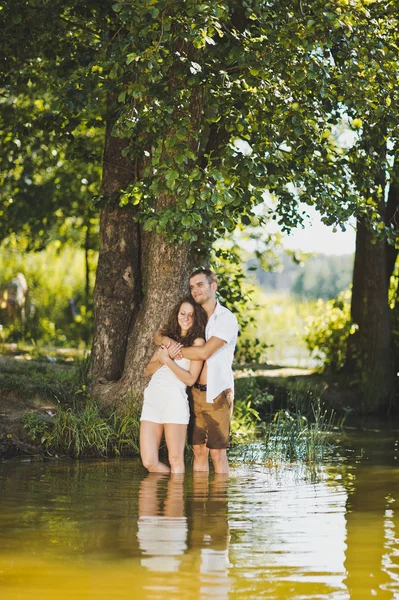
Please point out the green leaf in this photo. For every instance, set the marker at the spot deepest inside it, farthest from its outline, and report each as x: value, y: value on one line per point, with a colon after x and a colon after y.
x: 171, y: 175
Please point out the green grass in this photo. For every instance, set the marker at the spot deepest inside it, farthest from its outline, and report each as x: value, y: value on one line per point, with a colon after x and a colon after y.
x: 79, y: 427
x: 91, y: 432
x: 53, y: 275
x: 291, y: 438
x: 28, y: 380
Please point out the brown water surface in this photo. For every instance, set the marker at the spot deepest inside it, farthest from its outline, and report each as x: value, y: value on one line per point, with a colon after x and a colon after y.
x: 106, y: 530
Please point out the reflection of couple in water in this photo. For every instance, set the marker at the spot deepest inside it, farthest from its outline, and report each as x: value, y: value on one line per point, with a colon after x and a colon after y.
x: 196, y: 349
x: 183, y: 529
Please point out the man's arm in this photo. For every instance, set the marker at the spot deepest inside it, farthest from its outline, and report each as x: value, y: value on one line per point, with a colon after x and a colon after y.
x: 203, y: 352
x: 187, y: 377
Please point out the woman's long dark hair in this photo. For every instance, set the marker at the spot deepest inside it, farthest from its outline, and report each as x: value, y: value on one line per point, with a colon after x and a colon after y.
x: 172, y: 328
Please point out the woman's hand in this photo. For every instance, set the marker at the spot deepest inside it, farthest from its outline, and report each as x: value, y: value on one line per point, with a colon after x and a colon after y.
x: 163, y: 355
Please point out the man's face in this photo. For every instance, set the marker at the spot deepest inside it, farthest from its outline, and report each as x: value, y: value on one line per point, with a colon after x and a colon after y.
x: 201, y: 290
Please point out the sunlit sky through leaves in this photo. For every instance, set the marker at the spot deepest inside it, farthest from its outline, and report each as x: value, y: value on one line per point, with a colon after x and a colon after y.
x: 314, y: 236
x: 317, y: 237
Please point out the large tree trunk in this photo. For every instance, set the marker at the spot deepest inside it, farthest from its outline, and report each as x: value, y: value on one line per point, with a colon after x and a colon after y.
x: 140, y: 277
x: 165, y: 269
x: 370, y: 356
x: 392, y: 220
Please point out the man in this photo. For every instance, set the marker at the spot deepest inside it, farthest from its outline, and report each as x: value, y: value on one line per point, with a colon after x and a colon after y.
x: 213, y: 394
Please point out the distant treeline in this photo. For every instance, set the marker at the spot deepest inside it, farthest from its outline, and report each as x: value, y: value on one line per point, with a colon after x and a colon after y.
x: 320, y: 276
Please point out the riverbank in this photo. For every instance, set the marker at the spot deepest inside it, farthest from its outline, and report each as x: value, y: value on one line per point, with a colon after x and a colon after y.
x: 36, y: 385
x: 33, y: 381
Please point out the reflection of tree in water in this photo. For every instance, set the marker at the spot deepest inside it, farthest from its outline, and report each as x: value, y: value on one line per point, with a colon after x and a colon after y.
x: 69, y: 508
x: 372, y: 553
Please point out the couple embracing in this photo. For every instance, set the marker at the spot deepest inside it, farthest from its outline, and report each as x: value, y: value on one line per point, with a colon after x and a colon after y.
x: 196, y: 350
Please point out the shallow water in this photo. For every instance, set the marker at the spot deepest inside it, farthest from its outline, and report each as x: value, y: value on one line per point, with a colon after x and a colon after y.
x: 105, y: 529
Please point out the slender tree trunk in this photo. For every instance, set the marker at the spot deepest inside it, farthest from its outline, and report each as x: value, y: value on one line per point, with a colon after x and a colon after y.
x: 117, y: 291
x: 369, y: 349
x: 87, y: 266
x: 392, y: 219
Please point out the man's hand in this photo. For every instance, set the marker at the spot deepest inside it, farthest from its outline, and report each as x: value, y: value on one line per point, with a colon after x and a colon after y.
x: 174, y: 350
x: 173, y: 347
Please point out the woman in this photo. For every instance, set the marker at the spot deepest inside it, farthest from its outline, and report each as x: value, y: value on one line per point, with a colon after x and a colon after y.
x: 165, y: 407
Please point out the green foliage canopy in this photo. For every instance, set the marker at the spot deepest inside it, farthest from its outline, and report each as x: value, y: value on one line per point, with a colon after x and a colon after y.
x: 215, y: 102
x: 49, y: 158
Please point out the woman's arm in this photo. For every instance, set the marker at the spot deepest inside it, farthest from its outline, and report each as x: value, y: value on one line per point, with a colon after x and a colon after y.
x: 187, y: 377
x: 154, y: 364
x: 160, y: 340
x: 164, y: 340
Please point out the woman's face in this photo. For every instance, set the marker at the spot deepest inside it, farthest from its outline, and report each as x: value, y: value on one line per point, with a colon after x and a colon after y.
x: 185, y: 317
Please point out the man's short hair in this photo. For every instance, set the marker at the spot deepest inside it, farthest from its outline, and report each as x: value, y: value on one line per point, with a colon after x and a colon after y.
x: 210, y: 275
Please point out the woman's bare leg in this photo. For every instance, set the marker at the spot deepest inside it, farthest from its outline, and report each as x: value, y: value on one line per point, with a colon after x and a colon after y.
x: 150, y: 439
x: 175, y: 437
x: 149, y: 502
x: 174, y: 502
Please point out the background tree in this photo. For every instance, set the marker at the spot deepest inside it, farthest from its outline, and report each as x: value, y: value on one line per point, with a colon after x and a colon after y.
x: 367, y: 68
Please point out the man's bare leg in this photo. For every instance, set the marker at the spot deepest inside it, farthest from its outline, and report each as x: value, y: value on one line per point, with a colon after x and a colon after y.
x: 219, y: 459
x: 201, y: 458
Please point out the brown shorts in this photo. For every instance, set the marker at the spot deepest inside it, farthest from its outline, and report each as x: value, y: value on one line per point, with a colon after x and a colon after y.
x: 210, y: 423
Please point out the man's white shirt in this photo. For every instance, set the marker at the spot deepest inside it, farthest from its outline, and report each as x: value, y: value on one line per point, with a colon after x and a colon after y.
x: 223, y: 325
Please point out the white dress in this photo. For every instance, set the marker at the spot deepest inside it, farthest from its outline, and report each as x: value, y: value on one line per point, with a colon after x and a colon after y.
x: 165, y: 397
